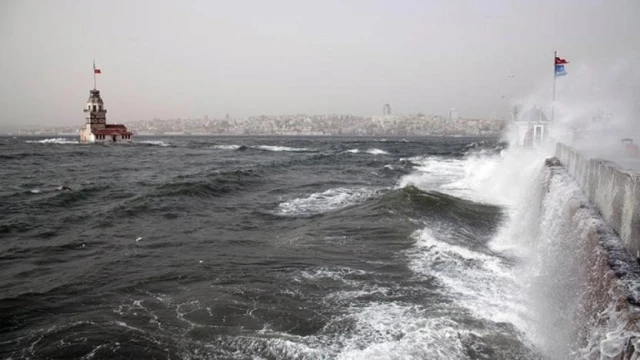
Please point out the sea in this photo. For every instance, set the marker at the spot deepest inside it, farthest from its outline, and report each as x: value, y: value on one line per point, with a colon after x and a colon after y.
x: 264, y: 248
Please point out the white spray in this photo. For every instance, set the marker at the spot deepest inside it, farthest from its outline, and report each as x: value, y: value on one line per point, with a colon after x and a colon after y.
x: 542, y: 233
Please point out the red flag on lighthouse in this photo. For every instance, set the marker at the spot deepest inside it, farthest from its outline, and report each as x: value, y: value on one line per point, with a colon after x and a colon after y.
x: 96, y: 71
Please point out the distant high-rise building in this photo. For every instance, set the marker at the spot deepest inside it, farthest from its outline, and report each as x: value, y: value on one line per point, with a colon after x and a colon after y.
x: 453, y: 114
x: 226, y: 117
x: 386, y: 109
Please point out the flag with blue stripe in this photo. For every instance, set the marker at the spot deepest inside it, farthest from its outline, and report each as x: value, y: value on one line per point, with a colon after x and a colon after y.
x: 560, y: 70
x: 559, y: 63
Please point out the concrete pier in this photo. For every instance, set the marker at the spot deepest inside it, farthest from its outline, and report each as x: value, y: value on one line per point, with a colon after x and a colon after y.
x: 613, y: 188
x: 588, y: 230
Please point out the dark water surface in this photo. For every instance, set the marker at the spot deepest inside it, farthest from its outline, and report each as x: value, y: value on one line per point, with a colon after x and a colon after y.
x: 241, y: 248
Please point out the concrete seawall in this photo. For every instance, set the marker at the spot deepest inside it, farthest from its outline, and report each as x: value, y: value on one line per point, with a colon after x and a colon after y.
x: 613, y: 190
x: 598, y: 294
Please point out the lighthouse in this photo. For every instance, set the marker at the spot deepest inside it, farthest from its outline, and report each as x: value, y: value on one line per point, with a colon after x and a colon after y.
x: 96, y: 129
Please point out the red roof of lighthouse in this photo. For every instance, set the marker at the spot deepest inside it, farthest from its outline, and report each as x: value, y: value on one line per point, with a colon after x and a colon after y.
x: 112, y: 129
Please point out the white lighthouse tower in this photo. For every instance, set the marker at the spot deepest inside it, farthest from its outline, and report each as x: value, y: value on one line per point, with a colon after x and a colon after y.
x: 96, y: 128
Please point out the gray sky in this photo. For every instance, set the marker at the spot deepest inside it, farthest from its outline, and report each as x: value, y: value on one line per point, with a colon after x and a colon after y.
x: 203, y: 57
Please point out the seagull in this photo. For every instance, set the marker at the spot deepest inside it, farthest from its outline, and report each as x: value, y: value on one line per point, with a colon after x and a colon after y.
x: 138, y: 239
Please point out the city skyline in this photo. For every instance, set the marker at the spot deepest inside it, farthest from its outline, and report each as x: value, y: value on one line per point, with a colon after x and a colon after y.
x: 251, y: 58
x: 306, y: 125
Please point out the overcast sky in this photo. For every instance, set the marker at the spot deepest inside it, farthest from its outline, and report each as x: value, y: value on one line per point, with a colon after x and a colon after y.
x: 193, y: 58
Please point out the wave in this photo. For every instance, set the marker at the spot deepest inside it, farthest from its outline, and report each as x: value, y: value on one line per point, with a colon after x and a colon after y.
x: 387, y: 328
x: 375, y: 151
x: 153, y: 143
x: 226, y: 147
x: 400, y: 168
x: 476, y: 282
x: 282, y: 148
x: 70, y: 337
x: 329, y: 200
x: 195, y: 188
x: 61, y: 141
x: 390, y: 327
x: 480, y: 148
x: 372, y: 151
x: 221, y: 184
x: 16, y: 226
x: 396, y: 330
x: 437, y: 206
x: 472, y: 177
x: 64, y: 198
x: 22, y: 155
x: 344, y: 275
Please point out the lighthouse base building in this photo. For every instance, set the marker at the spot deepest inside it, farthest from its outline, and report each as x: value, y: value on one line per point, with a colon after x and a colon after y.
x: 96, y: 129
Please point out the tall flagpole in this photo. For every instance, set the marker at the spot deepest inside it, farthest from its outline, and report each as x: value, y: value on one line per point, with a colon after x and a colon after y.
x: 94, y: 75
x: 553, y: 97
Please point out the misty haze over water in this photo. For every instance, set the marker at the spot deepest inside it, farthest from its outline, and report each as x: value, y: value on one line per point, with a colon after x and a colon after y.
x: 188, y: 60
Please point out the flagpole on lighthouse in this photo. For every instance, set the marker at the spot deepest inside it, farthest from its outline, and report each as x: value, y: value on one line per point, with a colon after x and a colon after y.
x: 553, y: 97
x: 94, y: 74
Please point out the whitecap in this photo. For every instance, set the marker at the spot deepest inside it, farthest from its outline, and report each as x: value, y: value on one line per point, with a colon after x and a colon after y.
x: 334, y: 273
x: 380, y: 331
x: 375, y: 151
x: 479, y: 282
x: 226, y: 147
x: 329, y: 200
x: 281, y: 148
x: 62, y: 141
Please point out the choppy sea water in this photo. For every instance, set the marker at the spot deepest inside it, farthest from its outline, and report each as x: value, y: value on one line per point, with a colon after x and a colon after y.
x: 255, y: 248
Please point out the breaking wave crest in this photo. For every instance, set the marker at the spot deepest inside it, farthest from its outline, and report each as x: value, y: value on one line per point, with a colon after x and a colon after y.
x: 375, y: 151
x: 282, y: 148
x: 61, y: 141
x: 329, y: 200
x: 482, y: 282
x: 226, y: 147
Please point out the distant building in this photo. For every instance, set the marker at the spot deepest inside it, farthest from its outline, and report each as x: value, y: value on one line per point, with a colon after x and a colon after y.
x: 531, y: 126
x: 386, y: 109
x: 96, y: 129
x: 453, y: 115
